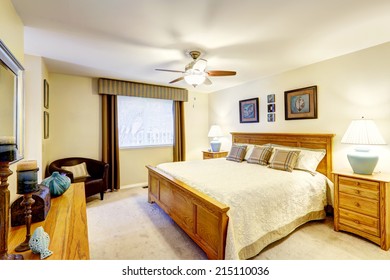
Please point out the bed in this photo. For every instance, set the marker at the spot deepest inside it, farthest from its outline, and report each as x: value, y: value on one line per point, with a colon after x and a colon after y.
x: 204, y: 214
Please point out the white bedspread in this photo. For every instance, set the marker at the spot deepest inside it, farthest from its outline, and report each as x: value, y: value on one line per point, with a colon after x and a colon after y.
x: 265, y: 204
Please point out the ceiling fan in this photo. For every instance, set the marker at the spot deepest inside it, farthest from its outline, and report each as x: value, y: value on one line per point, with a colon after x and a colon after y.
x: 195, y: 72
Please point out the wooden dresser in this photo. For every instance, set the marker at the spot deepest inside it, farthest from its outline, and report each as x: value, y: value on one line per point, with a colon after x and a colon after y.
x: 362, y: 206
x: 66, y: 225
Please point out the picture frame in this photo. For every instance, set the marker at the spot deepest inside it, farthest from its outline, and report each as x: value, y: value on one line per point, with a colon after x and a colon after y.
x: 271, y: 117
x: 301, y: 103
x: 271, y: 98
x: 249, y: 110
x: 271, y: 108
x: 45, y: 94
x: 45, y: 125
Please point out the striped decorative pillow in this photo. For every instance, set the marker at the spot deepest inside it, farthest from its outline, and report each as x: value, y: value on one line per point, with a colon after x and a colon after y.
x: 237, y: 153
x: 284, y: 160
x: 78, y: 171
x: 260, y: 155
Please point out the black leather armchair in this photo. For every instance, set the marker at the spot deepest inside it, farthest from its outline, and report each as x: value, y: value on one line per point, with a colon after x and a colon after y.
x: 96, y: 183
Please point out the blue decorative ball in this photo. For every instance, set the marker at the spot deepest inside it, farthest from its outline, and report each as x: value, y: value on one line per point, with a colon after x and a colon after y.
x: 57, y: 183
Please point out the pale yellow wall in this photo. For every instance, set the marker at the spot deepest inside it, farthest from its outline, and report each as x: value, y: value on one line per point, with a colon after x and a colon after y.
x: 74, y: 118
x: 11, y: 29
x: 196, y: 125
x: 133, y: 162
x: 349, y: 87
x: 33, y: 110
x: 11, y: 33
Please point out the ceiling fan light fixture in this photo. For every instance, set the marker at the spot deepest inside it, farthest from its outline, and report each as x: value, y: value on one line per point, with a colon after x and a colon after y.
x: 194, y: 77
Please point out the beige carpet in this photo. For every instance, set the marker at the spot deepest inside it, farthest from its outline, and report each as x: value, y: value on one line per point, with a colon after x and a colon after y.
x: 124, y: 226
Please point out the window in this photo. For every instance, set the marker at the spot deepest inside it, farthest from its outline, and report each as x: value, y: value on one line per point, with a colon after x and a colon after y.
x: 144, y: 122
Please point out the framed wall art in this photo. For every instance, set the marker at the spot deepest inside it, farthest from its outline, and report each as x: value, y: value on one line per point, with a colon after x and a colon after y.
x: 271, y: 98
x: 271, y: 117
x: 249, y: 110
x: 45, y: 125
x: 271, y: 108
x: 301, y: 103
x: 45, y: 94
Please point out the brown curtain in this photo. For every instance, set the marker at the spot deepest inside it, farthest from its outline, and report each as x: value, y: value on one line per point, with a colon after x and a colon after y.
x: 179, y: 141
x: 110, y: 140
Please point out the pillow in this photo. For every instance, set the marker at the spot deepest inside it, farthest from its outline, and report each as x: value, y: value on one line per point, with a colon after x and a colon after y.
x: 284, y: 159
x: 249, y: 150
x: 78, y: 171
x: 308, y: 159
x: 237, y: 153
x: 260, y: 155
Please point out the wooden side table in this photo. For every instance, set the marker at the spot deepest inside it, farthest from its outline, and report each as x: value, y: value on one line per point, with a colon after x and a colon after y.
x: 208, y: 155
x: 362, y: 205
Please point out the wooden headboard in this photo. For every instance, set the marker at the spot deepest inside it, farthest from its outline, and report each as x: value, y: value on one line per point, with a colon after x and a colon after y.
x: 304, y: 140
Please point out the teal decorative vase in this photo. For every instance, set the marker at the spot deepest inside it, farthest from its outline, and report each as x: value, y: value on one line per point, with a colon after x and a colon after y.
x: 39, y: 243
x: 57, y: 183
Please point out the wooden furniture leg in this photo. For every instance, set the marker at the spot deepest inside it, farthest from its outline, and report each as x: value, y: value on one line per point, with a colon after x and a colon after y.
x: 5, y: 172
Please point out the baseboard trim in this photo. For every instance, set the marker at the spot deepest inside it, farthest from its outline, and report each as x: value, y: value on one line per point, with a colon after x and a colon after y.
x: 143, y: 184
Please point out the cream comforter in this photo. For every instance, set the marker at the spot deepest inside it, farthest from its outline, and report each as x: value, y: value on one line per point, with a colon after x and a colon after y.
x: 265, y: 204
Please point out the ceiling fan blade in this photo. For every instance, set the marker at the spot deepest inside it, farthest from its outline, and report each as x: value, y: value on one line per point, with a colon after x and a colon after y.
x: 207, y: 82
x: 221, y: 73
x: 176, y: 80
x: 167, y: 70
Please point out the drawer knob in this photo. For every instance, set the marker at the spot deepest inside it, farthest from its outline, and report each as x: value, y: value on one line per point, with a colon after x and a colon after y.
x: 357, y: 184
x: 357, y: 191
x: 357, y: 204
x: 357, y: 222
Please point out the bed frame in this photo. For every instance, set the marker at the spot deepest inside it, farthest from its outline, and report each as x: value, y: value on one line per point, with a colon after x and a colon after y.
x: 203, y: 218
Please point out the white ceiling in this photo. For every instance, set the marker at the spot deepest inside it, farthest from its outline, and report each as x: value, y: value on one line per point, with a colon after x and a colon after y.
x: 128, y: 39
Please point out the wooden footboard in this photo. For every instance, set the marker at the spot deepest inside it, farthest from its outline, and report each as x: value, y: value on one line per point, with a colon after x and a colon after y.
x: 203, y: 218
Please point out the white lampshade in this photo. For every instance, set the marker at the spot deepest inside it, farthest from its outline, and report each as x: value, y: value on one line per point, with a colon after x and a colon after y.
x: 363, y: 132
x: 215, y: 132
x: 194, y: 77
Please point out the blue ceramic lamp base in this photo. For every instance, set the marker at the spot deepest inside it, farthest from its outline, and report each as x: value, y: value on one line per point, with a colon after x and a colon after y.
x: 215, y: 146
x: 362, y: 161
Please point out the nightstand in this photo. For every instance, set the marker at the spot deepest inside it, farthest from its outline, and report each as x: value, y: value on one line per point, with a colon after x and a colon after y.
x: 362, y: 205
x: 208, y: 155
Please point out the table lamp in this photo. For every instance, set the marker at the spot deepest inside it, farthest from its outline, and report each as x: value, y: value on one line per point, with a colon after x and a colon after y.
x: 215, y: 132
x: 363, y: 132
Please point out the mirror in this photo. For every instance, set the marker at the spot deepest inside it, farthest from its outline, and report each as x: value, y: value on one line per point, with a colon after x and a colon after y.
x: 11, y: 106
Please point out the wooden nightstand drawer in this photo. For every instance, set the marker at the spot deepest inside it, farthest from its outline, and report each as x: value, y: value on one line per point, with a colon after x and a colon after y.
x: 361, y: 205
x: 361, y: 192
x: 360, y: 222
x: 362, y: 188
x: 208, y: 155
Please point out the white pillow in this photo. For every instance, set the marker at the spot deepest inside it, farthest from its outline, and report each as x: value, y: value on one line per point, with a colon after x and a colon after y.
x: 308, y: 159
x: 78, y: 171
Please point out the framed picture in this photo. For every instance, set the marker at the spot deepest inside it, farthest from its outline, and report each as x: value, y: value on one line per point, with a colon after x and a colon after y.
x: 249, y: 110
x: 301, y: 103
x: 45, y: 125
x: 271, y: 108
x: 271, y: 98
x: 45, y: 94
x: 271, y: 117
